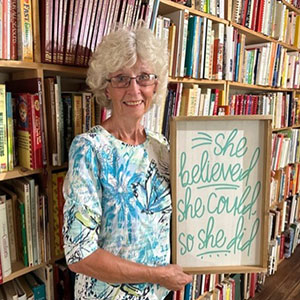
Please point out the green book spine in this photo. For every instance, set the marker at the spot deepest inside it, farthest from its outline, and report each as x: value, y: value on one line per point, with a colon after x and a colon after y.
x: 23, y: 233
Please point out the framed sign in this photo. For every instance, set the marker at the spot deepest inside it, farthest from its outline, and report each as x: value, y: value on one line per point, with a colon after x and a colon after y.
x: 220, y: 178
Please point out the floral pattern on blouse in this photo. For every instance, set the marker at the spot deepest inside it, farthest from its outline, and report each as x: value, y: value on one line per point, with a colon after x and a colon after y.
x: 117, y: 197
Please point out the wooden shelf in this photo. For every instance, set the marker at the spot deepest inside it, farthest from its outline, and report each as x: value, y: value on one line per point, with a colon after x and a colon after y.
x: 167, y: 6
x: 257, y: 87
x: 257, y: 37
x: 18, y: 270
x: 295, y: 126
x: 18, y: 172
x: 197, y: 81
x: 291, y: 7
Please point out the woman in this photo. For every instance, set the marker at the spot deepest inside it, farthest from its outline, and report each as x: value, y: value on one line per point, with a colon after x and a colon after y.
x: 118, y: 204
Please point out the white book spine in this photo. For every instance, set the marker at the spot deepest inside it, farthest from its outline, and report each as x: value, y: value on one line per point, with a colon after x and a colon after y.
x: 4, y: 243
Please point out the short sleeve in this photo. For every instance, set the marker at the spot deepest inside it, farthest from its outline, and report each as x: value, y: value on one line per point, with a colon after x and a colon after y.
x: 82, y: 193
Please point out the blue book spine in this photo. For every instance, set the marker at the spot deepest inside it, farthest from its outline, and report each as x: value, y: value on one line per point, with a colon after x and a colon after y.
x: 188, y: 291
x: 189, y: 56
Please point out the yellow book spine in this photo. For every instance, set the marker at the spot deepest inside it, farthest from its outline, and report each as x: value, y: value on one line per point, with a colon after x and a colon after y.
x: 57, y: 251
x: 3, y: 130
x: 26, y: 46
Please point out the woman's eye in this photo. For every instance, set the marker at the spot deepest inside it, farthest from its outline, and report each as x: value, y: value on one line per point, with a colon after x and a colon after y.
x: 144, y: 77
x: 122, y: 78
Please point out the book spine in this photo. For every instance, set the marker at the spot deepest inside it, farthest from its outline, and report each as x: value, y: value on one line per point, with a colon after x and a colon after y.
x: 13, y: 29
x: 21, y: 224
x: 3, y: 130
x: 23, y: 131
x: 4, y: 245
x: 25, y: 40
x: 10, y: 133
x: 11, y: 229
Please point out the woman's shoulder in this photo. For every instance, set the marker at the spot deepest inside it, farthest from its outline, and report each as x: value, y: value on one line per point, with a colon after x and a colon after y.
x: 95, y: 137
x: 158, y: 137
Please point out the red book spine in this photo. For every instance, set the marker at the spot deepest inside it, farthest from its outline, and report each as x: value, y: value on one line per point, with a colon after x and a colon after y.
x: 83, y: 31
x: 216, y: 104
x: 36, y: 131
x: 254, y: 14
x: 13, y: 31
x: 5, y: 25
x: 90, y: 33
x: 102, y: 22
x: 260, y: 15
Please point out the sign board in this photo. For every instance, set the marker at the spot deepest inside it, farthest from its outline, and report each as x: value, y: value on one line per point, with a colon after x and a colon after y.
x: 220, y: 178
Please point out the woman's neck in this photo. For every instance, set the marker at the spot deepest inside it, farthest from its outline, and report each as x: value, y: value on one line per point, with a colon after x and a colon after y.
x: 131, y: 133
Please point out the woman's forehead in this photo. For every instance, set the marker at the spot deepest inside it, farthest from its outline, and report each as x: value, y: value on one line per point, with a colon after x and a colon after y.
x: 139, y: 66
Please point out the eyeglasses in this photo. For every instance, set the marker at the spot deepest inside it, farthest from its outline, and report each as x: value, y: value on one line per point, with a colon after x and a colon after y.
x: 123, y: 81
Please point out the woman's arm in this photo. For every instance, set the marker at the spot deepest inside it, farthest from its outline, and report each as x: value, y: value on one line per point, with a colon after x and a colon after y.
x: 110, y: 268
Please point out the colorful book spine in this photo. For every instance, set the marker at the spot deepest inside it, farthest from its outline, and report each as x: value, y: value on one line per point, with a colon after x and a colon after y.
x: 3, y: 130
x: 10, y: 132
x: 25, y: 35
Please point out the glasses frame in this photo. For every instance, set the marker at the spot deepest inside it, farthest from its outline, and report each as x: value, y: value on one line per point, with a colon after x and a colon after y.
x: 152, y: 76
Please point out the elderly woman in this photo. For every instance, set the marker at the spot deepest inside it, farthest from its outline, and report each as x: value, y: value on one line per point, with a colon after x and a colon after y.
x: 118, y: 205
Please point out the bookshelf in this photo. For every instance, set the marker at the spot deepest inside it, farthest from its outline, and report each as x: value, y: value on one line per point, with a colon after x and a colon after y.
x: 74, y: 76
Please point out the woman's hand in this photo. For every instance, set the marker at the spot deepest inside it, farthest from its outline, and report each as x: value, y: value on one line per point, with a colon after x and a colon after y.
x: 172, y: 277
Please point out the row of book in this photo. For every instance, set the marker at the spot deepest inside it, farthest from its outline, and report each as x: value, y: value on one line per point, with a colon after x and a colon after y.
x: 283, y: 246
x: 16, y: 41
x: 24, y: 224
x: 213, y: 7
x: 202, y: 49
x: 48, y: 282
x: 68, y: 114
x: 21, y: 125
x: 221, y: 286
x: 285, y: 184
x: 283, y: 70
x: 71, y: 30
x: 285, y: 148
x: 282, y: 106
x: 26, y: 287
x: 270, y: 17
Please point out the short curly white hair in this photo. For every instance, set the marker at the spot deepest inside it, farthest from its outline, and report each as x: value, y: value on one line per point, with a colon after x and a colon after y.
x: 123, y: 48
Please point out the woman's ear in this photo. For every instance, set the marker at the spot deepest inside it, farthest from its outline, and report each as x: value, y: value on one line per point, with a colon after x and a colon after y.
x: 107, y: 94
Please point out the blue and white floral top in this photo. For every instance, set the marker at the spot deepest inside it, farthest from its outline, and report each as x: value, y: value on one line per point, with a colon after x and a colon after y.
x: 118, y: 199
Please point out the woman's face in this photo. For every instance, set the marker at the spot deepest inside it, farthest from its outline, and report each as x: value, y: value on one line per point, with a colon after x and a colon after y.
x: 132, y: 101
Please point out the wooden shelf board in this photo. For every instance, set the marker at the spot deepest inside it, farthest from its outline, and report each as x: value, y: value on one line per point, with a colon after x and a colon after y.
x: 66, y: 70
x: 18, y: 172
x: 18, y: 270
x: 257, y: 37
x: 196, y: 81
x: 167, y: 6
x: 13, y: 65
x: 291, y: 7
x: 257, y: 87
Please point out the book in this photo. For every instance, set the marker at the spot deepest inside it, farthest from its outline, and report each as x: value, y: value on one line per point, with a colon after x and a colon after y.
x: 21, y: 188
x: 37, y: 286
x: 4, y: 245
x: 25, y: 287
x: 3, y: 130
x: 45, y: 274
x: 33, y: 86
x: 11, y: 199
x: 19, y: 290
x: 25, y: 31
x: 10, y: 291
x: 28, y: 131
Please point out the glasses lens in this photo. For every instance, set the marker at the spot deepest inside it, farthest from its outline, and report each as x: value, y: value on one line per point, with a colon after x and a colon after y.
x: 146, y: 79
x: 120, y: 81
